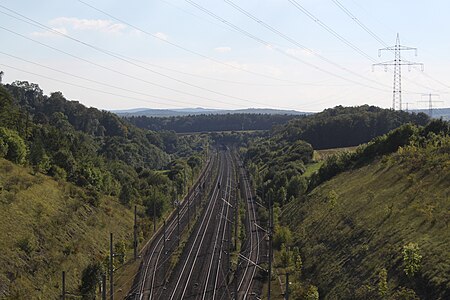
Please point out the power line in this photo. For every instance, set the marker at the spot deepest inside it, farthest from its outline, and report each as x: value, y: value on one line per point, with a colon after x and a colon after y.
x: 180, y: 47
x: 357, y: 21
x: 398, y: 62
x: 330, y: 30
x: 81, y: 86
x: 95, y: 81
x: 121, y: 57
x: 430, y: 102
x: 267, y: 44
x: 380, y: 40
x: 291, y: 40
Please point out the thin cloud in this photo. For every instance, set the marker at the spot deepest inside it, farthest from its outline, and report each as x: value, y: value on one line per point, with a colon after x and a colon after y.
x: 161, y: 35
x: 99, y: 25
x: 222, y: 49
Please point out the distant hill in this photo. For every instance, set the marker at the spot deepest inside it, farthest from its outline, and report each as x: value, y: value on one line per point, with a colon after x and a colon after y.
x: 202, y: 111
x: 443, y: 113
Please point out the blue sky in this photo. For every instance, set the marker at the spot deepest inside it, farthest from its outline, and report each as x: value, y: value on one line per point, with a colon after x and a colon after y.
x: 232, y: 70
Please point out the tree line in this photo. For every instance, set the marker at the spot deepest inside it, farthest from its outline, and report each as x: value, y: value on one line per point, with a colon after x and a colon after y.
x: 211, y: 122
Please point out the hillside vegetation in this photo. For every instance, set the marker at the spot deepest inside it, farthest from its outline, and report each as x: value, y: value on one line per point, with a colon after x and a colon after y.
x: 69, y: 175
x: 379, y: 229
x: 346, y: 126
x: 49, y: 226
x: 212, y: 122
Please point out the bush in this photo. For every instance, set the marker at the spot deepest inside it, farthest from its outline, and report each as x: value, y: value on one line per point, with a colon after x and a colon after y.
x: 283, y: 235
x: 16, y: 148
x: 411, y: 259
x: 89, y: 280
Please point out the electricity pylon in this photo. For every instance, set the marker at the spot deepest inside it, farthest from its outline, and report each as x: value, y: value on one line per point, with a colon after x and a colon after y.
x: 398, y: 62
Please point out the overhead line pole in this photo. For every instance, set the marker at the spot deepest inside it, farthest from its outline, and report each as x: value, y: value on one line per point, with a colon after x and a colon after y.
x: 397, y: 63
x: 111, y: 267
x: 135, y: 240
x: 430, y: 102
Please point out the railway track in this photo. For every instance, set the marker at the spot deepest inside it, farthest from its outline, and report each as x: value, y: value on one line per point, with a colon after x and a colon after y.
x: 251, y: 253
x: 204, y: 270
x: 157, y: 252
x: 196, y: 276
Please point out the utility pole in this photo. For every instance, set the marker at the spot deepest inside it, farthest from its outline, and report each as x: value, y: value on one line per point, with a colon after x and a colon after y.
x: 398, y: 62
x: 135, y: 241
x: 270, y: 245
x: 178, y: 222
x: 111, y: 267
x: 430, y: 102
x: 154, y: 215
x: 236, y: 217
x: 104, y: 287
x: 286, y: 293
x: 407, y: 103
x: 63, y: 291
x: 189, y: 211
x: 164, y: 246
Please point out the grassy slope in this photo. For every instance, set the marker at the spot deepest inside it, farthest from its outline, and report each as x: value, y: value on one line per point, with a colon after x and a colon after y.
x: 47, y: 227
x: 379, y: 208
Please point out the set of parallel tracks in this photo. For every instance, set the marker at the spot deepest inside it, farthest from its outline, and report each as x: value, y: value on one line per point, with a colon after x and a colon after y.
x: 253, y: 250
x: 199, y: 274
x: 203, y: 270
x: 156, y: 252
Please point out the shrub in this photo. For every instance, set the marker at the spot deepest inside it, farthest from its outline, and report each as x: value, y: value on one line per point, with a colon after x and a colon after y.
x: 411, y: 259
x: 382, y: 283
x: 16, y: 148
x: 89, y: 280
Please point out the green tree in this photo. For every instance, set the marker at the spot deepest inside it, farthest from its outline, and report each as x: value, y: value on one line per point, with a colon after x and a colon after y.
x: 296, y: 187
x: 119, y: 251
x: 382, y: 283
x: 38, y: 157
x: 411, y: 258
x: 128, y: 194
x: 89, y: 280
x: 16, y: 150
x: 312, y: 293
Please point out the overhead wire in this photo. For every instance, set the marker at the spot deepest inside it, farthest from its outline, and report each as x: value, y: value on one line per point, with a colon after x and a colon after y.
x: 267, y: 44
x: 96, y: 81
x: 126, y: 60
x: 310, y: 15
x: 295, y: 42
x: 185, y: 49
x: 302, y: 9
x: 381, y: 41
x: 78, y: 85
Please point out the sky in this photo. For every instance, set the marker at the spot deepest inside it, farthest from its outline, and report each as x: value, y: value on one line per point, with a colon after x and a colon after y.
x: 288, y: 54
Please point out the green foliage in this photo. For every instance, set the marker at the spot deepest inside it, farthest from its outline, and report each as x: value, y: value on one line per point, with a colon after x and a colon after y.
x: 212, y: 122
x: 382, y: 145
x: 411, y: 259
x: 405, y: 294
x: 16, y: 148
x: 282, y: 236
x: 3, y: 148
x: 347, y: 126
x: 396, y: 198
x: 312, y: 293
x: 382, y: 283
x: 90, y: 279
x: 120, y: 252
x: 296, y: 187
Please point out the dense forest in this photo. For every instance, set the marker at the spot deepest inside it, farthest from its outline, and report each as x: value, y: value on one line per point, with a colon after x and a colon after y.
x: 92, y: 148
x: 347, y: 126
x: 212, y: 122
x: 90, y: 167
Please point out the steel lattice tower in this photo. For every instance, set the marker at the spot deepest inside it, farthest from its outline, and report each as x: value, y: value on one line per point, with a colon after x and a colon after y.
x: 398, y: 62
